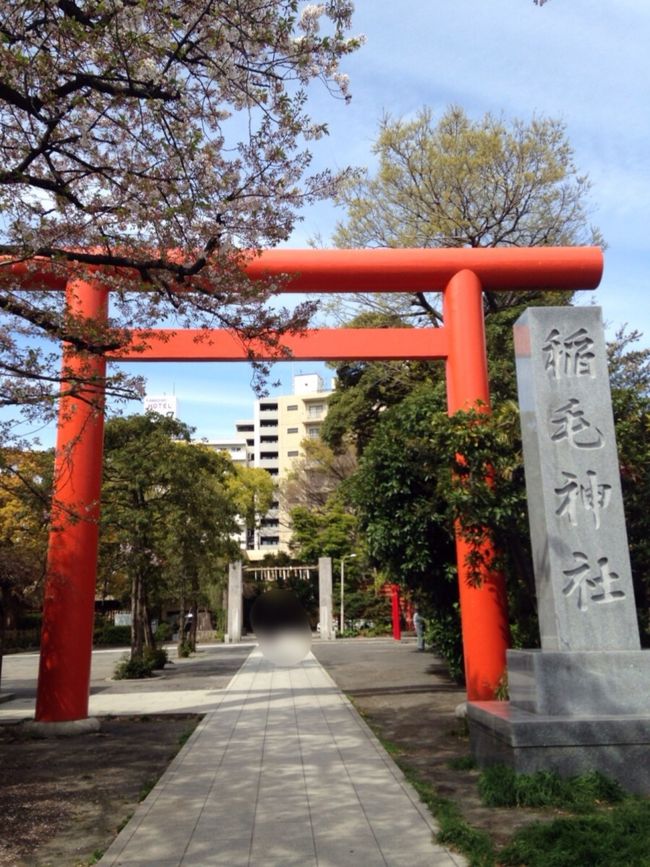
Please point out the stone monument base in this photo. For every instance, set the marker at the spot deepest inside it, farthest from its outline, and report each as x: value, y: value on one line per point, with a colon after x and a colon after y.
x: 570, y: 712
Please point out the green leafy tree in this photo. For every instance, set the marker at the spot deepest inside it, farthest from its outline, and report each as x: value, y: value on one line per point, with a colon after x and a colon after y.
x: 459, y: 182
x: 630, y: 383
x: 25, y: 489
x: 251, y: 490
x: 365, y: 390
x: 452, y: 182
x: 330, y: 531
x: 167, y: 515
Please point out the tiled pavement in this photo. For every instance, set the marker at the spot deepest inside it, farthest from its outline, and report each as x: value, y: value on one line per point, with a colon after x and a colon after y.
x: 283, y: 772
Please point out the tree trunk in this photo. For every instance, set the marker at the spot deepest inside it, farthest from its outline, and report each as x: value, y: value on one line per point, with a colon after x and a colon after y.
x: 194, y: 609
x: 137, y: 631
x: 181, y: 624
x: 194, y: 625
x: 146, y: 620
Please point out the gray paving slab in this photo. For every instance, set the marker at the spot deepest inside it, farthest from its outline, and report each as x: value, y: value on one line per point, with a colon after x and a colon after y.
x: 282, y: 772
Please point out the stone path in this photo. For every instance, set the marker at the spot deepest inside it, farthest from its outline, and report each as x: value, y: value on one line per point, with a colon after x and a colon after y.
x: 283, y: 772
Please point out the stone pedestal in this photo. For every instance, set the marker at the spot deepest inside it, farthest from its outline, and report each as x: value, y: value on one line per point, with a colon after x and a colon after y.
x: 570, y: 713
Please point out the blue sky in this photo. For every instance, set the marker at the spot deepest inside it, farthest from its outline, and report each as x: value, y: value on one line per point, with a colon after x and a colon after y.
x: 583, y: 62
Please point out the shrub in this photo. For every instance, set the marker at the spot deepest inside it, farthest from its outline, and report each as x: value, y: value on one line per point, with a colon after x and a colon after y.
x: 443, y: 634
x: 110, y: 635
x: 221, y: 620
x: 184, y: 649
x: 133, y: 669
x: 163, y: 632
x: 22, y: 639
x: 156, y: 656
x: 378, y: 630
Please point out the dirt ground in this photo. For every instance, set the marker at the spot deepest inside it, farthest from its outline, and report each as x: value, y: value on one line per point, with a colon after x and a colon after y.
x: 62, y: 800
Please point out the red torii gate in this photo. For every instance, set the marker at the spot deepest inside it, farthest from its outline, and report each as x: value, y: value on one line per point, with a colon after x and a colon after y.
x: 460, y: 274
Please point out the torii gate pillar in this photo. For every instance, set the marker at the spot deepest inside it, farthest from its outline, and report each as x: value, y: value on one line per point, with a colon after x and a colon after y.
x: 483, y: 605
x: 69, y: 599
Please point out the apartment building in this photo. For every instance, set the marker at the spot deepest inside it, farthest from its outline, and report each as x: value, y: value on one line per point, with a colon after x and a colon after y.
x: 270, y: 440
x: 274, y: 436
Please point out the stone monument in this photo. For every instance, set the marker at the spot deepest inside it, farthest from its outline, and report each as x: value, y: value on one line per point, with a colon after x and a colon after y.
x: 582, y: 702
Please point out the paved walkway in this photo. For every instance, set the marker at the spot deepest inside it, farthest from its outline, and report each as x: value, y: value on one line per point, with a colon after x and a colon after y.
x: 193, y: 685
x: 283, y: 772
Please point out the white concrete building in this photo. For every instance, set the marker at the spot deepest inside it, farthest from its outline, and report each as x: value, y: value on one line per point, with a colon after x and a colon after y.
x: 236, y: 448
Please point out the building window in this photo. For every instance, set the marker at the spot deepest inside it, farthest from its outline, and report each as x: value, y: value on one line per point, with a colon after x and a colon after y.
x: 293, y: 454
x: 315, y: 410
x: 313, y: 433
x: 292, y: 408
x: 291, y: 430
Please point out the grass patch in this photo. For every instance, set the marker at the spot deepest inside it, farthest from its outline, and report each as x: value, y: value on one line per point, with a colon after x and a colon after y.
x: 125, y: 821
x: 462, y: 763
x: 184, y: 738
x: 454, y: 830
x: 500, y: 786
x: 391, y: 748
x: 147, y: 787
x: 619, y: 837
x: 608, y: 828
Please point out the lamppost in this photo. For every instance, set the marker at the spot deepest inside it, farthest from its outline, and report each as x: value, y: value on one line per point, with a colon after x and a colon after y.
x: 342, y: 615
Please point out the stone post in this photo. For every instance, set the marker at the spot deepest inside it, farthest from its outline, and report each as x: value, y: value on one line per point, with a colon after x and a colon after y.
x: 235, y: 603
x: 325, y: 598
x: 575, y: 506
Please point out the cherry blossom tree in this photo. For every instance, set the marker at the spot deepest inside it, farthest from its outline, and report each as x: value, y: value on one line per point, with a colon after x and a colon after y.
x: 159, y: 140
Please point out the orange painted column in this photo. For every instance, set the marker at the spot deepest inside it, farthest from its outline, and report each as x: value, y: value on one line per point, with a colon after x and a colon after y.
x: 69, y: 602
x: 483, y: 605
x: 395, y: 611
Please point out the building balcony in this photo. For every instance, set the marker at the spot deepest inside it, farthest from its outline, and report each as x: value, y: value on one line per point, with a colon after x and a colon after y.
x: 269, y: 464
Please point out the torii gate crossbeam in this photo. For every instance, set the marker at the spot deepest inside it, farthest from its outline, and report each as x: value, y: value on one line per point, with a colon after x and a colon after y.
x: 461, y: 274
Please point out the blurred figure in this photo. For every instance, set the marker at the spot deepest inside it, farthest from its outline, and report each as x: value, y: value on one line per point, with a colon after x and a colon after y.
x: 419, y: 623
